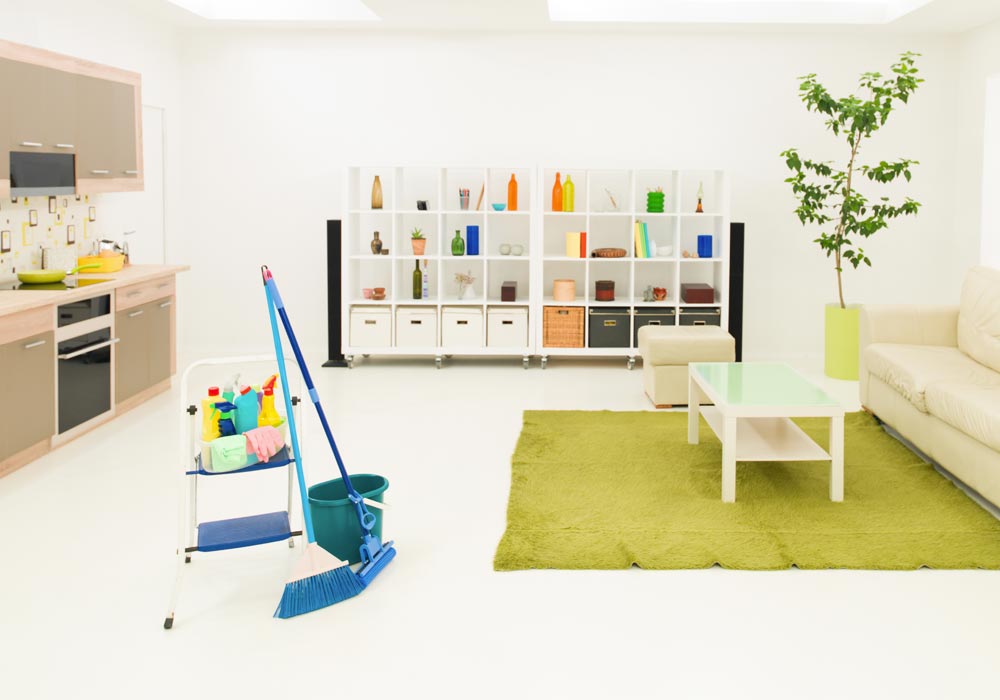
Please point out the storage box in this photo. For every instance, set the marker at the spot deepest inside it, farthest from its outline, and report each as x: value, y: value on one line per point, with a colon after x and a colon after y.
x: 416, y: 327
x: 651, y: 317
x: 371, y: 327
x: 604, y: 290
x: 507, y: 327
x: 508, y: 291
x: 701, y: 317
x: 564, y: 290
x: 562, y: 327
x: 697, y: 293
x: 610, y: 328
x: 461, y: 327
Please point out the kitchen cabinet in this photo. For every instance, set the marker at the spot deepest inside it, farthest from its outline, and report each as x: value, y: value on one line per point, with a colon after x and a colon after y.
x: 145, y: 348
x: 27, y: 411
x: 106, y: 120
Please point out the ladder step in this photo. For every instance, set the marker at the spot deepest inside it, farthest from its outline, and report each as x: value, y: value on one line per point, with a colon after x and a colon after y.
x: 247, y: 531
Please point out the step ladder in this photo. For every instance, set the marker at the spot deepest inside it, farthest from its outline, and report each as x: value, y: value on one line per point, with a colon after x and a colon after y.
x: 231, y: 533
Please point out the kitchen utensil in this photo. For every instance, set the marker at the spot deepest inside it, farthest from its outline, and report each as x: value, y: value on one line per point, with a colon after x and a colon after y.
x: 50, y: 276
x: 499, y: 206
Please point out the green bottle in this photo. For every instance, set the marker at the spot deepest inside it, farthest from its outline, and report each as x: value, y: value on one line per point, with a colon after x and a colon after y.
x: 457, y: 244
x: 418, y: 281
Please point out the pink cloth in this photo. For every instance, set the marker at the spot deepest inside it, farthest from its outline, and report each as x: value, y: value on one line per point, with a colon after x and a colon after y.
x: 265, y: 442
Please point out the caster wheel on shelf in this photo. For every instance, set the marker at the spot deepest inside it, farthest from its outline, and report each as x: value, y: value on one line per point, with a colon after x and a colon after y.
x: 437, y: 363
x: 631, y: 363
x: 545, y: 362
x: 291, y: 543
x: 168, y: 622
x: 448, y: 357
x: 350, y: 361
x: 366, y: 356
x: 526, y: 362
x: 187, y: 560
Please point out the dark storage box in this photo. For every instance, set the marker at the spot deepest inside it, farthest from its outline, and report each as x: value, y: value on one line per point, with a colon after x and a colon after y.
x: 508, y: 291
x: 604, y: 290
x: 609, y: 328
x: 697, y: 293
x: 701, y: 317
x: 651, y: 317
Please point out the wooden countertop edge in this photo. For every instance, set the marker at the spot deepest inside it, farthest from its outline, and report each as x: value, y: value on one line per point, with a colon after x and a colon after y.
x: 15, y: 301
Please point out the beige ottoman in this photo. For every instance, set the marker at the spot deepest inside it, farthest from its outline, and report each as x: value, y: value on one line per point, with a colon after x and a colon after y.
x: 666, y: 352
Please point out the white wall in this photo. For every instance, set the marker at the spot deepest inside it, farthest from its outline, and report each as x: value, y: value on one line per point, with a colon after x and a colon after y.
x: 279, y: 115
x: 990, y: 245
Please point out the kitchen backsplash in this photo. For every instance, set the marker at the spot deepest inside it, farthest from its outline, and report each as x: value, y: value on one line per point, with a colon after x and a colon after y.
x: 29, y: 224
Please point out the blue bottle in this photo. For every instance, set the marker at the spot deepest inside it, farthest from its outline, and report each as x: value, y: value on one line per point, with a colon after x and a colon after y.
x: 246, y: 410
x: 472, y: 240
x: 704, y: 246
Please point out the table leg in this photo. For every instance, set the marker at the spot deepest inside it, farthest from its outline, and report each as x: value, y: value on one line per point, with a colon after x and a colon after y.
x: 694, y: 398
x: 729, y: 460
x: 837, y: 458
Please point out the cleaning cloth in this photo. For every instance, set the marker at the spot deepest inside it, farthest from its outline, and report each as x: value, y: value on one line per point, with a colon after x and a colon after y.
x: 229, y: 453
x: 265, y: 442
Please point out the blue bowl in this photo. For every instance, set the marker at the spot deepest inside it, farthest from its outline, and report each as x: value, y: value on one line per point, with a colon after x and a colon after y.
x: 499, y: 207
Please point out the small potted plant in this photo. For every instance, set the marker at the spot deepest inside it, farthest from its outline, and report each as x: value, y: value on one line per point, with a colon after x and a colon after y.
x: 418, y: 241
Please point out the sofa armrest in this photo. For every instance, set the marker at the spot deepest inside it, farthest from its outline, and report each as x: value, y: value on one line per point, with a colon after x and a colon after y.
x: 908, y: 324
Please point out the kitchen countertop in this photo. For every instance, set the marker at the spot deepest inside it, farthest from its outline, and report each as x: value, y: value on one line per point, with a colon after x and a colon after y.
x: 13, y: 301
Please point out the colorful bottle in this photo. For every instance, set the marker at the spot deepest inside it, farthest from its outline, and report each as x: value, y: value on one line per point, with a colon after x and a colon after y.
x: 209, y: 416
x: 512, y: 194
x: 426, y: 283
x: 224, y: 411
x: 268, y: 414
x: 246, y: 410
x: 557, y: 195
x: 418, y: 281
x: 569, y: 194
x: 457, y: 244
x: 229, y: 388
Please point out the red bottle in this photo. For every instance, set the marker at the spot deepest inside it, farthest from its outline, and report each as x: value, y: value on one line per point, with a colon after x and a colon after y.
x: 557, y: 195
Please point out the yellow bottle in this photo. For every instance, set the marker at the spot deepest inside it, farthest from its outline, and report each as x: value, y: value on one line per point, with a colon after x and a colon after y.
x: 268, y: 414
x: 569, y: 193
x: 209, y: 416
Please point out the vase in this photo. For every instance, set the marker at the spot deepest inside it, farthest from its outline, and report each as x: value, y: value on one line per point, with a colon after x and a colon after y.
x: 376, y: 244
x: 840, y: 358
x: 457, y: 244
x: 461, y: 291
x: 377, y: 193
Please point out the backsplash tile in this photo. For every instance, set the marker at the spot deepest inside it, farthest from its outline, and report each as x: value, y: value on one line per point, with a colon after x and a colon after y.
x: 60, y: 221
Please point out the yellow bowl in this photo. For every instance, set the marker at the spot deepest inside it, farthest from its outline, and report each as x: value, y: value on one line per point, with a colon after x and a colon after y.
x: 107, y: 263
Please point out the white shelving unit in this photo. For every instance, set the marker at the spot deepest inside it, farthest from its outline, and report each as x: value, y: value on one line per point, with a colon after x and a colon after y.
x: 402, y: 187
x: 541, y: 234
x: 607, y: 205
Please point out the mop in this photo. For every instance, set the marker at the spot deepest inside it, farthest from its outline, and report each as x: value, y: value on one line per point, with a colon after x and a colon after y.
x: 319, y: 578
x: 375, y: 555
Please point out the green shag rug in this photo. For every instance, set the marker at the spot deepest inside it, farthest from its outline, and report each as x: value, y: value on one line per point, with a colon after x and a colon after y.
x: 608, y: 490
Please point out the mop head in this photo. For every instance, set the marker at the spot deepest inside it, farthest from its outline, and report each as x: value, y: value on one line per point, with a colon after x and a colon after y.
x: 319, y: 580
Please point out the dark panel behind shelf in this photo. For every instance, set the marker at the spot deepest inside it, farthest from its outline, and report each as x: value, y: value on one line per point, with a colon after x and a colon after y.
x: 736, y: 250
x: 335, y: 349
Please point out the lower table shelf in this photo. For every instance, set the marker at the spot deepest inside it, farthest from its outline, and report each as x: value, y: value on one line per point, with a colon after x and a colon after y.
x: 248, y: 531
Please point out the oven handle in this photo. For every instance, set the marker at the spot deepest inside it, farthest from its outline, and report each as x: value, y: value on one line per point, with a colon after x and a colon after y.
x: 89, y: 348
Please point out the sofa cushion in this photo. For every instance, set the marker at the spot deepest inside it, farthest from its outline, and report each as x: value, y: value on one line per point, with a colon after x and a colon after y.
x: 979, y: 317
x: 973, y: 409
x: 679, y: 345
x: 910, y: 369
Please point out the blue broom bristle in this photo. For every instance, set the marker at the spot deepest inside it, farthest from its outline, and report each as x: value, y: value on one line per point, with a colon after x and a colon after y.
x: 319, y: 591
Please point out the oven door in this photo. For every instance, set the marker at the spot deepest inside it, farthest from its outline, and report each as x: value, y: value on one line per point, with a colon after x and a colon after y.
x: 84, y: 378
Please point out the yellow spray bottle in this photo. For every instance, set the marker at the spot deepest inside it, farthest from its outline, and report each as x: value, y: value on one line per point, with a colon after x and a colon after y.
x: 268, y: 414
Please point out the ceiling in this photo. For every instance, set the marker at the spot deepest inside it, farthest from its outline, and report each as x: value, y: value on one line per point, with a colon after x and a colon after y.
x: 914, y: 16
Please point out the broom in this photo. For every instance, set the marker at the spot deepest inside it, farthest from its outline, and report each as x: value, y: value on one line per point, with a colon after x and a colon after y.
x: 319, y: 579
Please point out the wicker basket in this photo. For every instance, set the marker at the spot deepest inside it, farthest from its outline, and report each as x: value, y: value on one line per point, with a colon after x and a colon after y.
x: 562, y: 327
x: 609, y: 252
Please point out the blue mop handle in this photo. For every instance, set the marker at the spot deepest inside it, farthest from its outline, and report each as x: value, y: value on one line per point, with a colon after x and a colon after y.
x: 366, y: 518
x: 280, y: 353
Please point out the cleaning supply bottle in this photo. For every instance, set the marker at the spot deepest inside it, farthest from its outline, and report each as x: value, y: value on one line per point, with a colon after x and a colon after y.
x: 512, y: 194
x: 268, y: 414
x: 228, y: 389
x: 209, y: 416
x: 426, y: 283
x: 246, y: 410
x: 223, y: 411
x: 569, y: 194
x: 557, y: 195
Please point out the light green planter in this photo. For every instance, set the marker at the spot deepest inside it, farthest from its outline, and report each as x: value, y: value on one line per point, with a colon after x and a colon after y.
x: 841, y: 333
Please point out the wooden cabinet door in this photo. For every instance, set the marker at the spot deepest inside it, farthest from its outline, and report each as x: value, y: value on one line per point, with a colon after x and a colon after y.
x: 131, y: 352
x: 29, y: 393
x: 124, y: 157
x: 160, y: 337
x: 41, y: 108
x: 6, y: 136
x: 95, y: 153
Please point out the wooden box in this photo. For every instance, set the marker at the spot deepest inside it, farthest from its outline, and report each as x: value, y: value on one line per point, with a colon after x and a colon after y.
x: 697, y: 293
x: 562, y: 327
x: 508, y: 291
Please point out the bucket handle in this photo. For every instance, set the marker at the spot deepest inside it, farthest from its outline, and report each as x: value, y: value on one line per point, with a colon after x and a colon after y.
x: 374, y: 504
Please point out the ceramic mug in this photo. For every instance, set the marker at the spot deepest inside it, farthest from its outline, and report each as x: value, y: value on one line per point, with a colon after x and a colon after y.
x: 421, y: 205
x: 505, y: 249
x: 517, y: 249
x: 367, y: 292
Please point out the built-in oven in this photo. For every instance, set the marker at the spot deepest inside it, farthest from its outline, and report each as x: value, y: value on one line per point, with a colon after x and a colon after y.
x: 84, y: 354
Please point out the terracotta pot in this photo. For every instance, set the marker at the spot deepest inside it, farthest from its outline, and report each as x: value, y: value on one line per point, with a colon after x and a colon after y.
x: 419, y: 245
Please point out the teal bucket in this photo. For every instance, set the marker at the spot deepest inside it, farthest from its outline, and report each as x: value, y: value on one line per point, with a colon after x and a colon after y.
x: 335, y: 519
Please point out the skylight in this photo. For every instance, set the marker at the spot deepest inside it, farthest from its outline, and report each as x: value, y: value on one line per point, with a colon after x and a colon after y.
x: 281, y: 10
x: 733, y: 11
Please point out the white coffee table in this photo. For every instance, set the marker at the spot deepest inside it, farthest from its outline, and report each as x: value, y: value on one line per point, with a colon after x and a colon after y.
x: 753, y: 405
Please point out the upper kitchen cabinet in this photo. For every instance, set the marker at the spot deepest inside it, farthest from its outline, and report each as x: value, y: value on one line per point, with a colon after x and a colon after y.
x: 59, y: 104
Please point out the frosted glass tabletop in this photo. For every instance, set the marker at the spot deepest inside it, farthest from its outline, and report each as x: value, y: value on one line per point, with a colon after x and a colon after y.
x: 760, y: 384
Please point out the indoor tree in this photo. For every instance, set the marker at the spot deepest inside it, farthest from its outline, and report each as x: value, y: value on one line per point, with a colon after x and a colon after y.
x: 828, y: 196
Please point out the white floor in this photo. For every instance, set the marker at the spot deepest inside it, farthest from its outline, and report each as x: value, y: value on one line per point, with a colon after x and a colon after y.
x: 87, y: 557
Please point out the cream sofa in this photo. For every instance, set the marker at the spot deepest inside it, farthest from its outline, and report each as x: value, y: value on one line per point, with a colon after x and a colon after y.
x: 933, y: 374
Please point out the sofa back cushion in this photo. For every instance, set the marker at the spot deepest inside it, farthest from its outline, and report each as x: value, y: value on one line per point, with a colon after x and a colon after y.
x: 979, y: 317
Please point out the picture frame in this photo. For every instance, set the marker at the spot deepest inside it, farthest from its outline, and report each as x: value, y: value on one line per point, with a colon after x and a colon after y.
x: 92, y: 214
x: 52, y: 204
x: 70, y: 234
x: 5, y: 241
x: 32, y: 217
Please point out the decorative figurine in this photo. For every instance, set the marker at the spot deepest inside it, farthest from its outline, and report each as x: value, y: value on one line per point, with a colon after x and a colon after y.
x: 647, y: 293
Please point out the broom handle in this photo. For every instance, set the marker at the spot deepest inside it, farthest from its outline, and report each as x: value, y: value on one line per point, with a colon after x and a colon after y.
x: 280, y: 353
x: 366, y: 518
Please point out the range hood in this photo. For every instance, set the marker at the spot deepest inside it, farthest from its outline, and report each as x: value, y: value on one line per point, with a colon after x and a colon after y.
x: 34, y: 174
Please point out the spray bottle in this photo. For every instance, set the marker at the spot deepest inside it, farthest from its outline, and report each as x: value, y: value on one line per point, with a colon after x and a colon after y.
x: 209, y: 416
x: 223, y: 410
x: 268, y: 415
x: 246, y: 410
